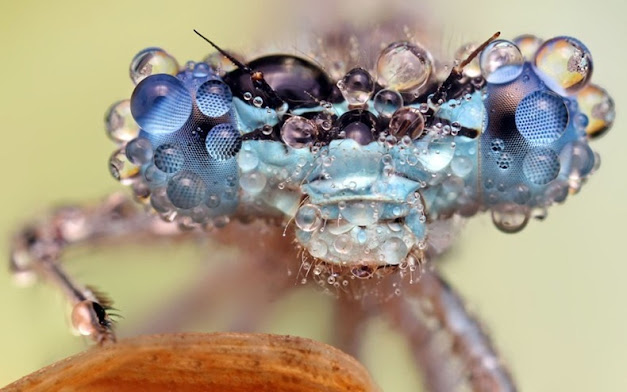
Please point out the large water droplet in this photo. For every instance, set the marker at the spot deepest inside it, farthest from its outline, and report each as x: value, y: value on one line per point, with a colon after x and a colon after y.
x: 404, y: 67
x: 565, y: 62
x: 308, y: 218
x: 356, y: 86
x: 407, y: 121
x: 121, y: 127
x: 161, y: 104
x: 186, y: 189
x: 598, y: 106
x: 386, y: 102
x: 152, y: 61
x: 299, y: 132
x: 510, y: 217
x: 501, y: 62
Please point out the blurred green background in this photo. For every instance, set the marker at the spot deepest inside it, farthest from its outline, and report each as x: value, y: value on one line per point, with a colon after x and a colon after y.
x: 552, y: 296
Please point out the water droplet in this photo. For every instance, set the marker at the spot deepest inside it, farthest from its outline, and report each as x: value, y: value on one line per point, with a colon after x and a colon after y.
x: 248, y: 160
x: 201, y: 70
x: 253, y: 182
x: 258, y: 102
x: 308, y: 218
x: 223, y: 142
x: 528, y: 45
x: 501, y: 62
x: 472, y: 69
x: 358, y: 131
x: 154, y: 176
x: 541, y: 117
x: 541, y: 166
x: 356, y: 86
x: 510, y: 217
x: 565, y: 63
x: 139, y: 151
x: 169, y: 157
x: 121, y: 127
x: 343, y: 244
x: 161, y: 104
x: 386, y: 102
x: 214, y: 98
x: 598, y: 106
x: 213, y: 201
x: 152, y: 61
x: 299, y: 132
x: 404, y: 67
x: 407, y: 121
x: 461, y: 166
x: 186, y: 189
x: 121, y: 168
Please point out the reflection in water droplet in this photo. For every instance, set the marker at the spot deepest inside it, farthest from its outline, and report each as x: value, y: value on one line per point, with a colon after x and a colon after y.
x: 407, y: 121
x: 252, y: 182
x: 169, y: 157
x: 139, y: 151
x: 541, y: 166
x: 186, y: 189
x: 308, y: 218
x: 598, y: 107
x: 565, y: 62
x: 356, y: 86
x: 121, y: 127
x: 471, y: 70
x: 121, y: 168
x: 510, y: 217
x: 501, y: 62
x: 299, y: 132
x: 528, y: 45
x: 152, y: 61
x: 404, y: 67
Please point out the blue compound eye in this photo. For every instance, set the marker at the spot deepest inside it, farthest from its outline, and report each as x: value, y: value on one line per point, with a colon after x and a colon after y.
x: 541, y: 117
x: 214, y: 98
x: 161, y: 104
x: 223, y: 142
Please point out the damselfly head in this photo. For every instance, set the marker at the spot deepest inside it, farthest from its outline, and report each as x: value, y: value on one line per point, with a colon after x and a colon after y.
x: 362, y: 163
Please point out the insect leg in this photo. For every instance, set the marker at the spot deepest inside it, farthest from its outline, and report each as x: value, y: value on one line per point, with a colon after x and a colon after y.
x: 37, y: 250
x: 449, y: 344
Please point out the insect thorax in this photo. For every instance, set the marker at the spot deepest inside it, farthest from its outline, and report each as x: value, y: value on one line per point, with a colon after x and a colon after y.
x: 363, y: 166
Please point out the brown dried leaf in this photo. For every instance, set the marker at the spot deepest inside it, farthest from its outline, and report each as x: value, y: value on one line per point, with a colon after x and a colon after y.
x: 234, y: 362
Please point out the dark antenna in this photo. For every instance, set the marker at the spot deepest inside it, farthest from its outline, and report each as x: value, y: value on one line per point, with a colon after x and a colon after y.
x: 457, y: 71
x: 256, y: 76
x: 224, y: 53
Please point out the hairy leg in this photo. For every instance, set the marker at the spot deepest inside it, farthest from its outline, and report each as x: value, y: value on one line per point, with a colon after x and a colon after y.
x: 449, y: 345
x: 38, y: 248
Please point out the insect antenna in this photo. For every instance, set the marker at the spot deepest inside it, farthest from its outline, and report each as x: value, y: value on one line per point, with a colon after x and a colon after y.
x: 255, y: 76
x: 456, y: 71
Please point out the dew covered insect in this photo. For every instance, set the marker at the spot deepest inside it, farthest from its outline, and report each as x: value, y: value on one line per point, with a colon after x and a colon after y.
x: 363, y: 166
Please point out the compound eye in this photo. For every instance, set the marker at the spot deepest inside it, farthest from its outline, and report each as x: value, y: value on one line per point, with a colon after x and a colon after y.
x: 565, y: 63
x: 161, y: 104
x: 297, y: 82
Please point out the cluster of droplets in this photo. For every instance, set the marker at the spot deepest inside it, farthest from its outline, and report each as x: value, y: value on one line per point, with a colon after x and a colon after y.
x: 177, y: 140
x: 544, y: 86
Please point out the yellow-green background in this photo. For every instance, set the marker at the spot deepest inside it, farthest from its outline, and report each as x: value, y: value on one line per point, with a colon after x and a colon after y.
x: 553, y: 296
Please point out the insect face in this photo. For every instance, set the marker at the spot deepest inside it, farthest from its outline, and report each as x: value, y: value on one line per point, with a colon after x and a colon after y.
x: 363, y: 165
